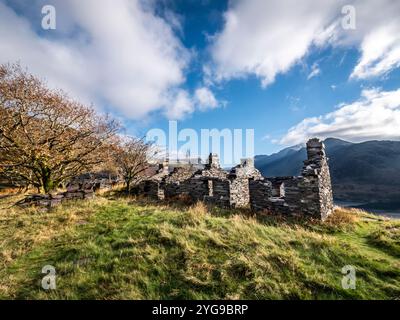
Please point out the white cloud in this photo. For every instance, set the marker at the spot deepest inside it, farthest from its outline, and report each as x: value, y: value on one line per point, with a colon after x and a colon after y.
x: 205, y: 99
x: 116, y: 54
x: 267, y: 137
x: 380, y: 52
x: 377, y: 36
x: 266, y: 38
x: 376, y: 115
x: 180, y: 106
x: 315, y: 70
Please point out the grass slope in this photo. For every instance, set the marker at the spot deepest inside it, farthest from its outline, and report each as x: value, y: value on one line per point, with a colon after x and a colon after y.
x: 115, y: 248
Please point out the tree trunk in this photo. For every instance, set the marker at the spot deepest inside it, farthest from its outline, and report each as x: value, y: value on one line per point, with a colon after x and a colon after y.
x: 48, y: 185
x: 47, y: 182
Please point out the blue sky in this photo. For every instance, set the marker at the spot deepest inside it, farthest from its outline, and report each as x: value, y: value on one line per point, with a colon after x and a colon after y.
x: 287, y: 69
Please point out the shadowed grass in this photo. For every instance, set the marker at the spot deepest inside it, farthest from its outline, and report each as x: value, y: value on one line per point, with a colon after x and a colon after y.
x: 387, y: 238
x: 127, y: 248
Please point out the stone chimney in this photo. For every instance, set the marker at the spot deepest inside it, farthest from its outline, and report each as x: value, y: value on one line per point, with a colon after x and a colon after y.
x: 317, y: 180
x: 247, y: 162
x: 213, y: 161
x: 164, y: 167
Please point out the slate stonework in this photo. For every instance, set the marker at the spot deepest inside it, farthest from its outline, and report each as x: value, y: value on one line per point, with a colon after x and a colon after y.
x: 307, y: 195
x: 47, y: 201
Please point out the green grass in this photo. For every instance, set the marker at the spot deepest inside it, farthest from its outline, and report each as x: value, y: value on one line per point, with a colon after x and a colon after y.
x: 116, y: 248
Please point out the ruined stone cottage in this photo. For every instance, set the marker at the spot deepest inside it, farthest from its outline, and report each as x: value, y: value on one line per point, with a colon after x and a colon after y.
x: 309, y: 194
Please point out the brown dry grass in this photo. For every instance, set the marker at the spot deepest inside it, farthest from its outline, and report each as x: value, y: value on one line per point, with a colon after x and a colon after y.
x: 196, y: 213
x: 343, y: 218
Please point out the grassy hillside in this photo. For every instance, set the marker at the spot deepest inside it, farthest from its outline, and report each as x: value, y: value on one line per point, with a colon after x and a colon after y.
x: 115, y: 248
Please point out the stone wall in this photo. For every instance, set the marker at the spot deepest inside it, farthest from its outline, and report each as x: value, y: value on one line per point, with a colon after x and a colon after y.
x: 308, y: 195
x: 103, y: 180
x: 51, y: 200
x: 239, y: 192
x: 210, y: 184
x: 151, y: 185
x: 178, y: 183
x: 82, y: 187
x: 246, y: 170
x: 239, y: 182
x: 152, y: 189
x: 260, y: 194
x: 317, y: 186
x: 220, y: 195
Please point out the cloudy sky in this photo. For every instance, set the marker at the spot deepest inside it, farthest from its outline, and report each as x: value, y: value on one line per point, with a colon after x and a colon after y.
x: 288, y: 69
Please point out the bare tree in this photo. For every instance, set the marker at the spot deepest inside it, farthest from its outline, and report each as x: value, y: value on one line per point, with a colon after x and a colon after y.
x: 45, y: 137
x: 131, y: 159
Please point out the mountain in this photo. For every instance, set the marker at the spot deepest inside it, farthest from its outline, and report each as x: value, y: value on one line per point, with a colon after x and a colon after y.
x: 367, y: 171
x: 287, y: 162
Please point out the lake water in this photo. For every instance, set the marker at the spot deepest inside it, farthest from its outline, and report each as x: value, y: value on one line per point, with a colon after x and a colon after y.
x: 373, y: 208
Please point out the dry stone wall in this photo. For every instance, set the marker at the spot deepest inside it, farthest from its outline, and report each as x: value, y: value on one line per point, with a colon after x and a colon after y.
x: 79, y: 188
x: 99, y: 180
x: 211, y: 184
x: 307, y: 195
x: 47, y: 201
x: 221, y: 195
x: 317, y: 186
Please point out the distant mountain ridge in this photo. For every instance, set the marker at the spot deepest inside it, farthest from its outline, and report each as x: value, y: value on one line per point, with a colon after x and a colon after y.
x: 367, y: 171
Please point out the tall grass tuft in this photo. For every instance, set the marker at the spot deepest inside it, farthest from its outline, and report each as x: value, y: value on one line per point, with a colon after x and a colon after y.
x: 343, y: 219
x: 196, y: 214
